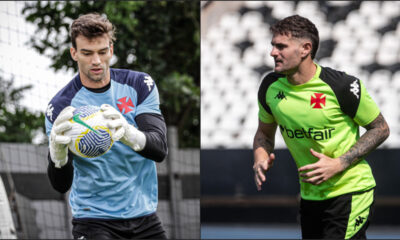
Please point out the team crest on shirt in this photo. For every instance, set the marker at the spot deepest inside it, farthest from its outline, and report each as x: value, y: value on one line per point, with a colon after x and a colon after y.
x: 318, y: 100
x: 125, y: 105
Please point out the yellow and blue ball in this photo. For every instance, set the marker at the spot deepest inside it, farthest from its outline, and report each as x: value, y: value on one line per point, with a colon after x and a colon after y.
x: 90, y: 137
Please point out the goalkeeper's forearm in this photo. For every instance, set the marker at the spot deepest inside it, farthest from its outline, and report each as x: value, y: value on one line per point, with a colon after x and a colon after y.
x: 61, y: 178
x: 154, y: 128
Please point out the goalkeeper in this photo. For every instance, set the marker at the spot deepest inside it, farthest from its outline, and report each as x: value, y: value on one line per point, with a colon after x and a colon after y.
x: 112, y: 196
x: 319, y: 111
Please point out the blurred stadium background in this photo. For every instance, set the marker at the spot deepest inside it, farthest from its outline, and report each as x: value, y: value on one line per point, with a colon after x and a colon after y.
x: 38, y: 211
x: 361, y: 38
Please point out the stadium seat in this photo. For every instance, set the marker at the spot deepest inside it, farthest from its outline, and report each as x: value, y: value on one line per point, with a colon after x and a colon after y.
x: 260, y: 35
x: 341, y: 30
x: 378, y: 82
x: 307, y: 8
x: 283, y: 9
x: 325, y: 31
x: 250, y: 20
x: 236, y: 35
x: 369, y: 8
x: 229, y: 21
x: 252, y: 58
x: 377, y: 21
x: 371, y: 42
x: 390, y: 8
x: 395, y: 83
x: 386, y: 56
x: 398, y: 29
x: 355, y: 20
x: 253, y: 4
x: 230, y: 58
x: 364, y: 56
x: 340, y: 55
x: 390, y: 41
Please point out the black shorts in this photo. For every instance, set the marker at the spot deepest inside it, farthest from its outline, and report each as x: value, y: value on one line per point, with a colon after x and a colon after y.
x: 134, y: 228
x: 343, y: 217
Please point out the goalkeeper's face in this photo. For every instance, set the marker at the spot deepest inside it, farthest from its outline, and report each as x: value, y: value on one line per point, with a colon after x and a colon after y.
x: 93, y: 57
x: 288, y: 53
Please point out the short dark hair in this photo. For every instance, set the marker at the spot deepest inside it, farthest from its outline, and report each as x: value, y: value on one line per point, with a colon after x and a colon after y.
x: 298, y: 27
x: 90, y: 26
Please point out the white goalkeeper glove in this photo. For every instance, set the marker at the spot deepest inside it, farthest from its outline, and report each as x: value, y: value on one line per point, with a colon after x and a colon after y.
x: 125, y: 132
x: 58, y: 141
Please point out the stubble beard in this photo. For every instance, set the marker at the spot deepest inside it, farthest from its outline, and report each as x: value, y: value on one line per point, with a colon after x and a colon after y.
x: 281, y: 69
x: 286, y: 69
x: 95, y: 78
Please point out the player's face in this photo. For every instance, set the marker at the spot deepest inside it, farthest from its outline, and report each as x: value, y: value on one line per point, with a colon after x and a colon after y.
x: 93, y: 56
x: 286, y: 52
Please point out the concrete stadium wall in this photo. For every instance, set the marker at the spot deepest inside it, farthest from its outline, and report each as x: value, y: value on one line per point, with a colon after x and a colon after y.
x: 228, y: 192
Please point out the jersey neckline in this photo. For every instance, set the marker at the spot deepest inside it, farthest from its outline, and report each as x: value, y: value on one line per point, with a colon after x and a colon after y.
x: 315, y: 77
x: 100, y: 90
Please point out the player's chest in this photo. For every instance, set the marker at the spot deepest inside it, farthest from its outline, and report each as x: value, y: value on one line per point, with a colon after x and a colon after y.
x: 306, y: 106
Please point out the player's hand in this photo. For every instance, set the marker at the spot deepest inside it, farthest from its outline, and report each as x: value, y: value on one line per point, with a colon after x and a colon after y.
x: 124, y: 131
x: 322, y: 170
x: 58, y: 141
x: 260, y: 167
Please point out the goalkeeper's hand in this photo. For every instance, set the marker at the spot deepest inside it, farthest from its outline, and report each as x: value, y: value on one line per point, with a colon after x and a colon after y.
x: 124, y: 131
x: 58, y: 141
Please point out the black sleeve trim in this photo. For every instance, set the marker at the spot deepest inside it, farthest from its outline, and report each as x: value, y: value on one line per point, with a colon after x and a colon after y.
x: 154, y: 128
x: 262, y: 91
x: 61, y: 178
x: 346, y: 88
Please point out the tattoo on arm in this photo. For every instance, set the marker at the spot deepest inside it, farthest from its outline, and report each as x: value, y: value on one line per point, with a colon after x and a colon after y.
x: 263, y: 141
x: 377, y: 132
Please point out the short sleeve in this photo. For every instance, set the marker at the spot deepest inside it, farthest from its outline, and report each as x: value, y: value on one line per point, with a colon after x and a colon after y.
x: 264, y: 116
x: 367, y: 110
x: 151, y: 104
x: 264, y: 111
x: 352, y: 96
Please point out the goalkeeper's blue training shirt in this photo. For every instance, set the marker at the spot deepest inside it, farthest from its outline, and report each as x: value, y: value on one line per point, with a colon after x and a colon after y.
x: 121, y: 183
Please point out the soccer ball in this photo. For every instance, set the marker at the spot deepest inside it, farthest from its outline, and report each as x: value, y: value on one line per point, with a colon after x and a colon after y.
x: 90, y: 137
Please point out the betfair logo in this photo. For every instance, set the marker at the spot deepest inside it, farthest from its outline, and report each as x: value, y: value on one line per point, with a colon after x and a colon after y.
x: 312, y: 133
x: 280, y: 95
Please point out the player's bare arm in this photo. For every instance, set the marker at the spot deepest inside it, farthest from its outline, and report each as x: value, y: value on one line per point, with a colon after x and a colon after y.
x: 326, y: 167
x: 265, y: 137
x: 377, y: 132
x: 263, y: 145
